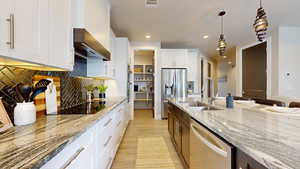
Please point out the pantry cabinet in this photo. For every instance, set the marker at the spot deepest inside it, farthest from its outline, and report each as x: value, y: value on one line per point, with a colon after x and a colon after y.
x: 37, y: 31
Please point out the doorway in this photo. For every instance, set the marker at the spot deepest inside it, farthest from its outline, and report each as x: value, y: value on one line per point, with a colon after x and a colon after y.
x: 144, y: 80
x: 254, y: 64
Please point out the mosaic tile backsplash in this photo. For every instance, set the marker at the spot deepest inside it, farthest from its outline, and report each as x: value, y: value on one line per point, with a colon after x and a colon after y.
x: 72, y: 89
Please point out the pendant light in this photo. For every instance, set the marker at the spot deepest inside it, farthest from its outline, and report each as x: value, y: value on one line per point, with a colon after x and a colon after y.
x: 261, y: 23
x: 222, y: 42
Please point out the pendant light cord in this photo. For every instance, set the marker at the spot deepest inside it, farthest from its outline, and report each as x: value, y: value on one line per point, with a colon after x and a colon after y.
x: 222, y: 27
x: 260, y: 3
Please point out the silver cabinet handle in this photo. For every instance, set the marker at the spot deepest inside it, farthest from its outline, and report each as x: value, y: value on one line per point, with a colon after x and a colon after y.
x: 107, y: 141
x: 11, y: 21
x: 108, y: 164
x: 74, y: 156
x: 207, y: 143
x: 107, y: 123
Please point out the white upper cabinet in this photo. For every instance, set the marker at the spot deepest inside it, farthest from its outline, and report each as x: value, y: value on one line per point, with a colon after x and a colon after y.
x: 174, y: 58
x: 94, y: 16
x: 181, y: 58
x: 61, y: 34
x: 25, y: 30
x: 5, y: 11
x: 37, y: 31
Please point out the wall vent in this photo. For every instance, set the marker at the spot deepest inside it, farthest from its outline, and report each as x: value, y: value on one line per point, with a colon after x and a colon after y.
x: 151, y: 3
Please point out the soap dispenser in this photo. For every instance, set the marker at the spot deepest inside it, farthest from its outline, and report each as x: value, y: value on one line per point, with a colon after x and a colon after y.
x: 229, y: 101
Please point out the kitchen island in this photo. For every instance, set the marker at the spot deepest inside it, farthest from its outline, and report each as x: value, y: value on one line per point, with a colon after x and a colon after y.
x: 33, y: 146
x: 272, y: 139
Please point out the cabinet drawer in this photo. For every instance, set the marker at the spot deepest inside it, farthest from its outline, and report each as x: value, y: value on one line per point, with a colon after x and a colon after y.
x: 107, y: 132
x: 72, y: 152
x: 105, y: 160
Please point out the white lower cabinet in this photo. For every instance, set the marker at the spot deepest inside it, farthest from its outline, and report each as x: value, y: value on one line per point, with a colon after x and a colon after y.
x: 77, y: 155
x: 97, y: 147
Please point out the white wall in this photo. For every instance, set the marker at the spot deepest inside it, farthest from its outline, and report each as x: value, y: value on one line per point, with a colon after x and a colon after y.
x: 226, y: 70
x: 156, y: 46
x: 289, y: 60
x: 143, y: 59
x: 282, y: 59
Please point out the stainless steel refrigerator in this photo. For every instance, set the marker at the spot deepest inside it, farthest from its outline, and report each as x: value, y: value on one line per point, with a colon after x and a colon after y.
x: 174, y: 85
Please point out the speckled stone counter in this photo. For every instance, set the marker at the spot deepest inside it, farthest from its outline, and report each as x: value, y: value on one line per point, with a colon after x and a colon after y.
x: 31, y: 146
x: 273, y: 139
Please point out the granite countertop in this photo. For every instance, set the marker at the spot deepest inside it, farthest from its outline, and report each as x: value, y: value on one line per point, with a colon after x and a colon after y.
x: 33, y: 145
x: 273, y: 139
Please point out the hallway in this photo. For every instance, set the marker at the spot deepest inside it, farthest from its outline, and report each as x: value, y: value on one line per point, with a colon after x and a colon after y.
x: 146, y: 145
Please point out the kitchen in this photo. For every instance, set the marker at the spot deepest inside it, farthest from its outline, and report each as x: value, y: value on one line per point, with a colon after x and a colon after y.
x: 77, y: 92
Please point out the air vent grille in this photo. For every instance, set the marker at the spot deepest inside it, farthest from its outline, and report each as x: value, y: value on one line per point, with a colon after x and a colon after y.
x: 151, y: 3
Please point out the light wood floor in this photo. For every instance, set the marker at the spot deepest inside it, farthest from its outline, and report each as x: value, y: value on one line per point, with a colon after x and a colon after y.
x: 146, y: 145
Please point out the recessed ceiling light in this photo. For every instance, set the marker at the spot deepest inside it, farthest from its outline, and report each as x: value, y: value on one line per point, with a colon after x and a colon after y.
x: 205, y: 36
x: 229, y: 62
x: 148, y: 36
x: 224, y: 57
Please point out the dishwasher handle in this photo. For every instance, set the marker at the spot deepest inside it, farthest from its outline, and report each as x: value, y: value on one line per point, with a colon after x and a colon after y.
x: 207, y: 143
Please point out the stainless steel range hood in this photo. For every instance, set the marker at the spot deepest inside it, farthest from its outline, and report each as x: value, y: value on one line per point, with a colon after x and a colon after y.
x: 88, y: 50
x: 86, y: 45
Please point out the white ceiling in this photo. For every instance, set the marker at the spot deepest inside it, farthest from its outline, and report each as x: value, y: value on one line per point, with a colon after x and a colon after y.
x: 183, y: 23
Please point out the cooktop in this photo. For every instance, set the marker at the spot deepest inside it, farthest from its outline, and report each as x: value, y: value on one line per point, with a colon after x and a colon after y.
x: 85, y: 108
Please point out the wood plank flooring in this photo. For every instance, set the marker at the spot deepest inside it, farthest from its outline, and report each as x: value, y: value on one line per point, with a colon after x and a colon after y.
x: 146, y: 145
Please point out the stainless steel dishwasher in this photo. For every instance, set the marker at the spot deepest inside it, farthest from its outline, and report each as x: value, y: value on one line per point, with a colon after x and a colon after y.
x: 208, y: 151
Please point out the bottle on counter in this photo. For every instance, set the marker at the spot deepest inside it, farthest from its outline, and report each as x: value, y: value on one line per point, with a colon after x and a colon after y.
x: 229, y: 101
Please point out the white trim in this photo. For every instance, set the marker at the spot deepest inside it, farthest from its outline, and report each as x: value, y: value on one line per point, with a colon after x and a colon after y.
x: 156, y: 47
x: 240, y: 67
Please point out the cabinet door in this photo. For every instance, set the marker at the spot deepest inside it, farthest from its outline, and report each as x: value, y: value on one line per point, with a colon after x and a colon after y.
x: 174, y: 58
x: 192, y: 65
x: 186, y: 143
x: 97, y: 20
x: 181, y: 58
x: 166, y: 60
x: 61, y: 53
x: 31, y: 31
x: 5, y: 11
x: 177, y: 134
x: 171, y: 124
x: 82, y: 159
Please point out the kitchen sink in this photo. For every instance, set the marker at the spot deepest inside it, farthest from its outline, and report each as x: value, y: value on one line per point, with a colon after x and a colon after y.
x: 202, y: 106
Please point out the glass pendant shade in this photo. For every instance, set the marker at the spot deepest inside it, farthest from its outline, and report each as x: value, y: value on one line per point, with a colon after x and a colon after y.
x: 261, y: 24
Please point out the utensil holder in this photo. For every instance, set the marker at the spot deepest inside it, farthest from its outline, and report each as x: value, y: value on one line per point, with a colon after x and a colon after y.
x: 24, y: 113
